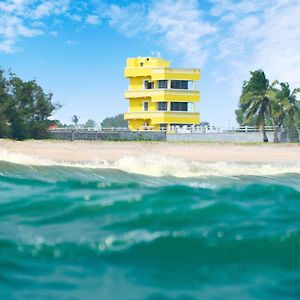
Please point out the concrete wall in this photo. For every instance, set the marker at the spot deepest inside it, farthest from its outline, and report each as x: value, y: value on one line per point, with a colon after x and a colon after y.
x: 107, y: 135
x: 246, y: 137
x: 240, y: 137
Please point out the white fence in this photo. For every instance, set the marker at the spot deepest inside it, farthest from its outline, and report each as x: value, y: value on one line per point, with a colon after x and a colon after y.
x: 177, y: 129
x: 216, y: 129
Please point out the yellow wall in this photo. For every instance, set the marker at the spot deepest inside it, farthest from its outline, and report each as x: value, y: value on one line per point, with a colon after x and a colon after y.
x: 137, y: 83
x: 147, y: 61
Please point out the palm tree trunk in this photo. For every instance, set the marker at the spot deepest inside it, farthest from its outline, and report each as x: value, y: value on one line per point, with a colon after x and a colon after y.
x: 265, y: 138
x: 276, y: 139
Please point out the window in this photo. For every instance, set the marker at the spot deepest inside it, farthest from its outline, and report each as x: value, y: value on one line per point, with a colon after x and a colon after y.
x: 162, y: 106
x: 163, y: 127
x: 146, y: 106
x: 141, y: 64
x: 162, y: 84
x: 148, y: 85
x: 179, y: 84
x: 179, y: 106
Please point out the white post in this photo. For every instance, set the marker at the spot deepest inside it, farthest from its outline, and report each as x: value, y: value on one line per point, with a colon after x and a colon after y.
x: 168, y: 106
x: 169, y: 84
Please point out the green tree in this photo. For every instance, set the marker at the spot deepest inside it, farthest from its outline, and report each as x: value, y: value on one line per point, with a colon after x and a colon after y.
x: 117, y: 121
x: 241, y: 118
x: 286, y: 108
x: 25, y: 108
x: 90, y: 123
x: 75, y: 120
x: 255, y: 100
x: 4, y: 101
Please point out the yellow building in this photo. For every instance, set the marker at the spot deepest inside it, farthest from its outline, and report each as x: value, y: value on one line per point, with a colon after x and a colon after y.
x: 160, y: 96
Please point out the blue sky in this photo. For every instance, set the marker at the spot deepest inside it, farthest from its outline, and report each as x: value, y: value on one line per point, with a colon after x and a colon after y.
x: 78, y: 49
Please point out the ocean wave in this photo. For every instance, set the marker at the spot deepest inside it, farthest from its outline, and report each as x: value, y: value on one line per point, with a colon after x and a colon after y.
x: 159, y: 166
x: 161, y: 244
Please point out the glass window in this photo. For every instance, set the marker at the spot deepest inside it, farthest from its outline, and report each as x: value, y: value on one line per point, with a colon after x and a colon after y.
x: 162, y: 106
x: 148, y: 85
x: 179, y: 84
x: 184, y: 84
x: 174, y: 84
x: 179, y: 106
x: 162, y: 84
x: 146, y: 106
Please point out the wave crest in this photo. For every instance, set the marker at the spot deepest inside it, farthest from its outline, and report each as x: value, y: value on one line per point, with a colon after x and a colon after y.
x: 158, y: 166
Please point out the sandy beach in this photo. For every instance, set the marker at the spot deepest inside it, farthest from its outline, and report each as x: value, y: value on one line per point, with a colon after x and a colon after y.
x: 65, y: 151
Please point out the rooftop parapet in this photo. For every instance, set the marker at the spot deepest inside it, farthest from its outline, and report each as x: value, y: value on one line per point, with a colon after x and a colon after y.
x: 150, y: 62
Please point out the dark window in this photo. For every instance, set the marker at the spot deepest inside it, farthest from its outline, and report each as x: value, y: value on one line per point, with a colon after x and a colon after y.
x: 163, y: 126
x: 162, y: 105
x: 162, y: 84
x: 179, y: 84
x: 147, y: 59
x: 146, y: 106
x: 179, y: 106
x: 141, y: 64
x: 149, y: 85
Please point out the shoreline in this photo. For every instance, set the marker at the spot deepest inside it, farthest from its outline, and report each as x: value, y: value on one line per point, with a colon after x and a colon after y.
x: 112, y: 151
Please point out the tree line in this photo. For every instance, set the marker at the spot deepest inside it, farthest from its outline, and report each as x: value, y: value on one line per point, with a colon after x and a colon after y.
x: 109, y: 122
x: 24, y: 108
x: 269, y: 104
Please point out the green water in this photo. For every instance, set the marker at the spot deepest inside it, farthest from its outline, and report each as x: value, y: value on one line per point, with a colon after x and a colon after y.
x: 76, y: 233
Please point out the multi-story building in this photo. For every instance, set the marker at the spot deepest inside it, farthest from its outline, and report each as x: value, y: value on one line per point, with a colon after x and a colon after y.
x: 160, y: 96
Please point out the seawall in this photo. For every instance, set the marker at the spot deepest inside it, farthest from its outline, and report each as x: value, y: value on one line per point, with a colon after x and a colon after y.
x: 89, y: 135
x: 239, y: 137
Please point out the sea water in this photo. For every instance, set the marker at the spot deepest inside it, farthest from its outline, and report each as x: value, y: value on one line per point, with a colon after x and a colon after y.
x: 148, y: 228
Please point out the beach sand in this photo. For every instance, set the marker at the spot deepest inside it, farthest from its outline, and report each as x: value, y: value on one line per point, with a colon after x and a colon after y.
x: 80, y: 151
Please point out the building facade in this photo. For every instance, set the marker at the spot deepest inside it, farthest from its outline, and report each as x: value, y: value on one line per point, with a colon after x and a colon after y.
x: 160, y: 97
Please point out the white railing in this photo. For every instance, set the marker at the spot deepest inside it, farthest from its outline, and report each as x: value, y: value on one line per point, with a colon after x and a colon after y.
x: 177, y: 129
x: 253, y: 128
x: 215, y: 129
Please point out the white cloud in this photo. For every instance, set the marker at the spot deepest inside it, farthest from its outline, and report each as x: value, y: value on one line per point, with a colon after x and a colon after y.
x: 129, y: 20
x: 25, y: 18
x: 93, y: 20
x: 221, y: 7
x: 74, y: 17
x: 262, y: 36
x: 180, y: 25
x: 7, y: 46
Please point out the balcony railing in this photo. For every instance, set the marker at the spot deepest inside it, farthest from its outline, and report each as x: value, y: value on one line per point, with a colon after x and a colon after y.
x: 173, y: 70
x: 158, y: 73
x: 164, y: 116
x: 160, y: 92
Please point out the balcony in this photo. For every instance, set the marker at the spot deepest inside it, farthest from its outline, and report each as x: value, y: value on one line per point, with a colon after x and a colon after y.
x: 159, y: 117
x: 171, y: 73
x: 165, y: 95
x: 163, y: 73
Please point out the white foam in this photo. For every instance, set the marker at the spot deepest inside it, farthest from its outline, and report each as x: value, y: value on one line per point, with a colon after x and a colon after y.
x: 156, y: 165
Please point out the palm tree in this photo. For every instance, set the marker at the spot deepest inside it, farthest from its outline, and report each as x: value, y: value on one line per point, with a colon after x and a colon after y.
x: 75, y: 120
x: 286, y: 108
x: 255, y: 99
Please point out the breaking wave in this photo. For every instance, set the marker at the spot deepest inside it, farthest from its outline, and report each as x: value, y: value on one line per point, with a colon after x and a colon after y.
x: 158, y: 166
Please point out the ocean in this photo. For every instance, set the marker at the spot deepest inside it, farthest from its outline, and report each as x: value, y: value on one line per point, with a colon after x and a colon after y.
x: 148, y: 228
